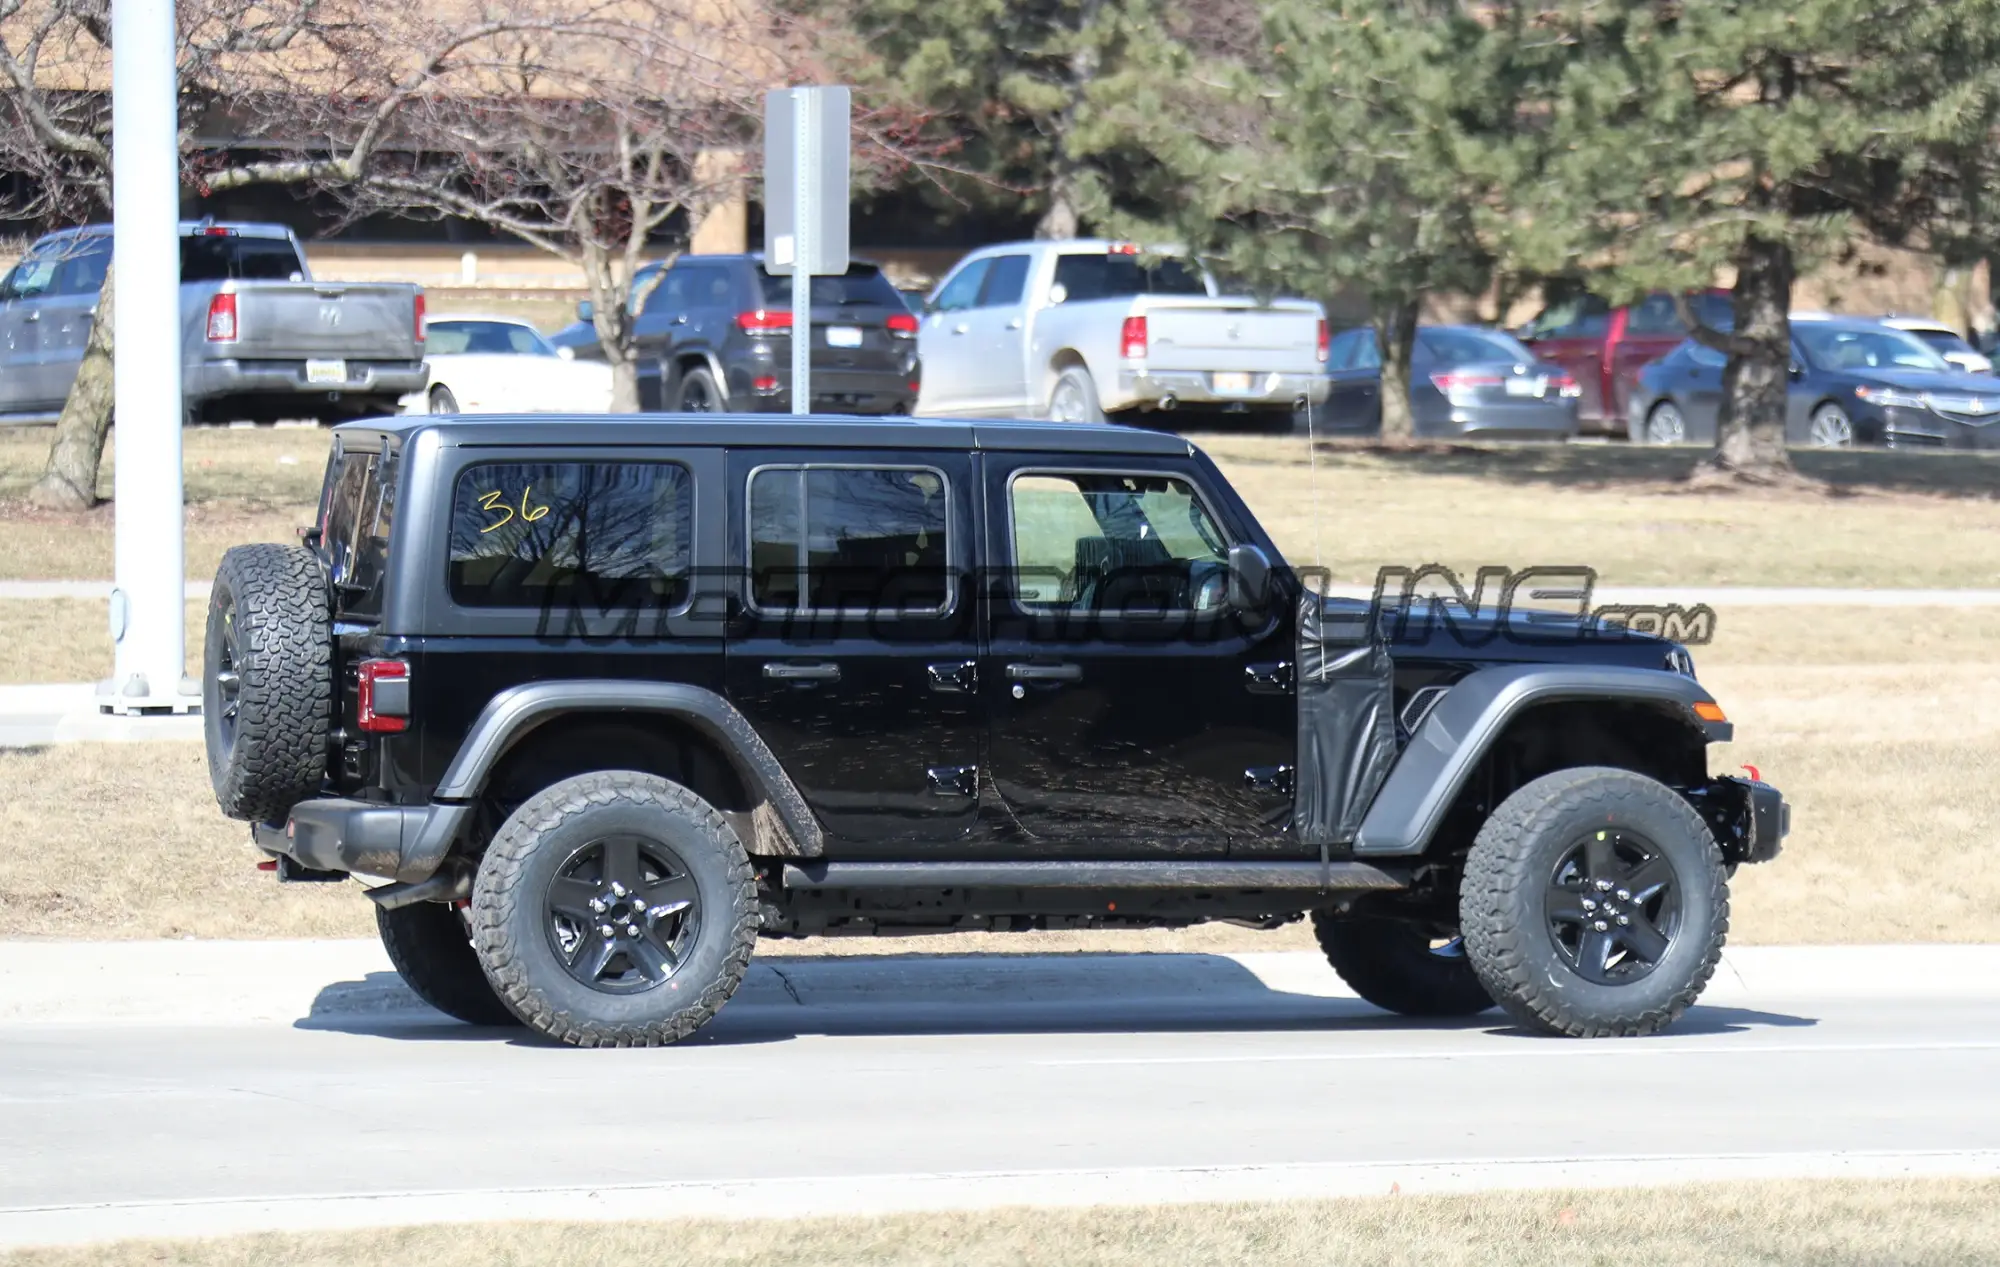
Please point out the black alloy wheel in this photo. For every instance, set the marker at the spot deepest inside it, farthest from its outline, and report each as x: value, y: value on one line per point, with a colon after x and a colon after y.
x: 1613, y: 907
x: 623, y: 914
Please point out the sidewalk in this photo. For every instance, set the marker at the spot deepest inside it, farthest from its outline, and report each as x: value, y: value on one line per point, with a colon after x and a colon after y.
x: 66, y: 712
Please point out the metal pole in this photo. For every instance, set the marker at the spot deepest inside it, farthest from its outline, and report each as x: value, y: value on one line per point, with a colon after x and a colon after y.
x: 146, y: 605
x: 803, y: 246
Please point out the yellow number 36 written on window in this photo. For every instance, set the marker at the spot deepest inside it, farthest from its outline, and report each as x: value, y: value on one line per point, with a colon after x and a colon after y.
x: 529, y: 511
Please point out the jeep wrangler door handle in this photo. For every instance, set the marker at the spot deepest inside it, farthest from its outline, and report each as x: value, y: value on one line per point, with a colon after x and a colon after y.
x: 955, y: 677
x: 1044, y: 673
x: 802, y: 672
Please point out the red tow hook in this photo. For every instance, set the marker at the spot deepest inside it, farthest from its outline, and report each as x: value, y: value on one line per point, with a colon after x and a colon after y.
x: 269, y: 864
x: 1755, y: 777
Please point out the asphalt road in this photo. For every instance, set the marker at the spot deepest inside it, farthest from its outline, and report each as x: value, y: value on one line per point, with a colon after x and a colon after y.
x: 123, y: 1128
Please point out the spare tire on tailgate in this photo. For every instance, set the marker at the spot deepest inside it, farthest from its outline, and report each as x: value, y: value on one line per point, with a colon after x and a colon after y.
x: 267, y: 681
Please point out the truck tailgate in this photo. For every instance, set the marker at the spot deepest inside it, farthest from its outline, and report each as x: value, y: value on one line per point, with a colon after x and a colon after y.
x: 1190, y: 333
x: 296, y: 320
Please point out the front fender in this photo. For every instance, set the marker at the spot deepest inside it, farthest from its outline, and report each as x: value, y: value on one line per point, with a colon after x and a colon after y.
x: 1440, y: 757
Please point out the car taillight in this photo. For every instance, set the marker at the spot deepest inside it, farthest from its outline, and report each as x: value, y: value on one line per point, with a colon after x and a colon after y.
x: 222, y: 319
x: 1449, y: 382
x: 1565, y: 385
x: 1324, y: 339
x: 902, y: 325
x: 760, y: 321
x: 1123, y: 248
x: 1132, y: 339
x: 382, y: 705
x: 420, y: 317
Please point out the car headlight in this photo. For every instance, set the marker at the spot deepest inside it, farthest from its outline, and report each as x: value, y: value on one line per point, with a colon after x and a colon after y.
x: 1890, y: 398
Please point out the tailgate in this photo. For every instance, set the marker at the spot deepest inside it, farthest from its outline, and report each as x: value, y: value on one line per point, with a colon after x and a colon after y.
x: 289, y: 321
x: 1188, y: 333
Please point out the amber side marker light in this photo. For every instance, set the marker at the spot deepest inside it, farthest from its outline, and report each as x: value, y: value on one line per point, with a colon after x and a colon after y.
x: 1708, y: 710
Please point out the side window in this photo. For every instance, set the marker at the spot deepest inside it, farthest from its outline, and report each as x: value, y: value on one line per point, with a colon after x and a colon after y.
x: 1654, y: 315
x: 82, y: 270
x: 596, y: 536
x: 1340, y: 352
x: 703, y: 286
x: 828, y: 539
x: 1006, y: 282
x: 354, y: 530
x: 1114, y: 544
x: 645, y: 283
x: 962, y: 291
x: 31, y: 278
x: 1367, y: 353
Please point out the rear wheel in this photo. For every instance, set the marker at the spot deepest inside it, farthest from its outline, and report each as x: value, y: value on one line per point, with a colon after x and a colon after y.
x: 432, y: 951
x: 442, y: 401
x: 1665, y: 425
x: 1398, y: 966
x: 267, y: 681
x: 698, y: 394
x: 1074, y: 398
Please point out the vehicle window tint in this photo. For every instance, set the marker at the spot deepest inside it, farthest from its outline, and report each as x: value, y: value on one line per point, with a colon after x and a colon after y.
x: 592, y: 536
x: 31, y: 278
x: 505, y: 338
x: 1367, y: 352
x: 962, y: 291
x: 1578, y: 317
x: 1717, y: 312
x: 84, y: 266
x: 1654, y: 315
x: 705, y: 286
x: 861, y: 284
x: 1006, y: 282
x: 1087, y: 277
x: 354, y: 530
x: 223, y: 258
x: 1340, y: 352
x: 1114, y: 544
x: 646, y: 283
x: 1848, y: 348
x: 1943, y: 340
x: 847, y: 539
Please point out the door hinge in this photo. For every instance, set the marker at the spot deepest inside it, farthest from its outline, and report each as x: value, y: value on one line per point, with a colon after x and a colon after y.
x: 1269, y: 778
x: 1268, y: 679
x: 953, y: 780
x: 959, y: 676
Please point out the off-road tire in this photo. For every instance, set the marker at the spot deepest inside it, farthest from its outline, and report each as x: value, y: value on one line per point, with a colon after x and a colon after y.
x: 432, y: 951
x: 509, y: 931
x: 272, y: 753
x: 1390, y: 963
x: 1503, y: 911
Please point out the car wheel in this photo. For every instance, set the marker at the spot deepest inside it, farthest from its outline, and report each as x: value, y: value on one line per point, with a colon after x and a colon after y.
x: 432, y: 951
x: 1831, y: 428
x: 1399, y: 967
x: 698, y: 394
x: 1594, y: 903
x: 267, y: 681
x: 1074, y: 398
x: 442, y: 401
x: 615, y: 909
x: 1665, y: 425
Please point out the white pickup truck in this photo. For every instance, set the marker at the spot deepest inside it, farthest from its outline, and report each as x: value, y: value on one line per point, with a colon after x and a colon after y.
x: 1087, y: 330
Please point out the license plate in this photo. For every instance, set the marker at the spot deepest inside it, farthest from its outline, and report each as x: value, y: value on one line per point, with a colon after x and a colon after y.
x: 1537, y: 386
x: 326, y: 372
x: 843, y: 336
x: 1230, y: 381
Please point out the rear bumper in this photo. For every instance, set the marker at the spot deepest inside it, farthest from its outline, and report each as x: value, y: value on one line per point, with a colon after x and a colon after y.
x: 835, y: 391
x: 398, y: 842
x: 208, y: 380
x: 1518, y: 422
x: 1149, y: 388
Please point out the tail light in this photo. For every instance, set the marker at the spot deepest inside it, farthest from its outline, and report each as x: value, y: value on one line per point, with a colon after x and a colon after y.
x: 222, y: 318
x: 383, y: 703
x: 902, y: 325
x: 420, y: 317
x: 1123, y: 248
x: 1132, y: 339
x: 1323, y: 339
x: 1565, y: 385
x: 759, y: 321
x: 1449, y: 382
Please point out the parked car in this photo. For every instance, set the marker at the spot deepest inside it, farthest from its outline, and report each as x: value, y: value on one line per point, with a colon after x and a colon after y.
x: 715, y: 336
x: 488, y: 364
x: 1089, y: 330
x: 260, y: 339
x: 1464, y: 381
x: 1853, y: 381
x: 1947, y: 342
x: 1604, y: 347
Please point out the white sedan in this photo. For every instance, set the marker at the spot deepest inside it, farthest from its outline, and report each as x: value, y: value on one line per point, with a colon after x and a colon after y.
x: 499, y: 365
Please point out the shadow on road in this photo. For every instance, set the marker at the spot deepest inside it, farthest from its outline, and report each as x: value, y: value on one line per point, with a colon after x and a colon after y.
x: 787, y: 997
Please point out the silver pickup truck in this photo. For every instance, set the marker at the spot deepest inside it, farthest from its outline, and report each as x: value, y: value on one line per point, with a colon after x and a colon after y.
x: 1087, y: 330
x: 261, y: 340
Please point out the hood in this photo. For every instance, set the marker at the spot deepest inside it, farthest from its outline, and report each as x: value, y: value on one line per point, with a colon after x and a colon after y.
x: 1953, y: 381
x: 1427, y: 633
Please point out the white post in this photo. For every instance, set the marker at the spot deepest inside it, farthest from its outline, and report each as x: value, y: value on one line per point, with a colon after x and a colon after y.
x: 146, y: 606
x: 803, y: 230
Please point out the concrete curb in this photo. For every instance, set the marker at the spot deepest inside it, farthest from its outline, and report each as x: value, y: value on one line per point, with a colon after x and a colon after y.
x: 204, y: 983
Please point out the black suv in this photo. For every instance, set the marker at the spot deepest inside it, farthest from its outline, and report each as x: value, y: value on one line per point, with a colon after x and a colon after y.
x: 715, y: 336
x: 605, y: 700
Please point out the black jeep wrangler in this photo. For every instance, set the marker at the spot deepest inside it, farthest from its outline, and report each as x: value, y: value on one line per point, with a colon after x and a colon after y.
x: 604, y: 700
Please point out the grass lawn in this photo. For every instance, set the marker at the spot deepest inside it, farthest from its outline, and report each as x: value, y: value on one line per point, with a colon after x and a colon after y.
x: 1937, y: 1223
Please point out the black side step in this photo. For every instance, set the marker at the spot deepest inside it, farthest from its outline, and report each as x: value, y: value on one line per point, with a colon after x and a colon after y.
x: 1203, y: 876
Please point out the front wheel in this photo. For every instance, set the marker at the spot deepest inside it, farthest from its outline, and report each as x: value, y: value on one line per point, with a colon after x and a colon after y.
x: 1594, y: 904
x: 1831, y: 428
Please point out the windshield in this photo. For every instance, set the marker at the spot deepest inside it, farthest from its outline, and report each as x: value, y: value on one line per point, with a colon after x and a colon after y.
x: 1468, y: 347
x: 503, y: 338
x: 861, y: 284
x: 1943, y: 341
x: 228, y: 257
x: 1872, y: 348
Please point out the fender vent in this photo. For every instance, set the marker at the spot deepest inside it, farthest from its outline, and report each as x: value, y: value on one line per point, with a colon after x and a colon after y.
x: 1419, y: 706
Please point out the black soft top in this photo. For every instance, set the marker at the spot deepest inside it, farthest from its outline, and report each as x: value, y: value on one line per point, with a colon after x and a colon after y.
x: 764, y: 431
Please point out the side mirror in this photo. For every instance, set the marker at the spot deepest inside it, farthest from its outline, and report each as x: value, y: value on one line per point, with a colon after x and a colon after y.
x: 585, y: 310
x: 1249, y: 578
x: 566, y: 352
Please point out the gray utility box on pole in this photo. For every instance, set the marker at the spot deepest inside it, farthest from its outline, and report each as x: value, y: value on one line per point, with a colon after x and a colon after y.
x: 805, y: 205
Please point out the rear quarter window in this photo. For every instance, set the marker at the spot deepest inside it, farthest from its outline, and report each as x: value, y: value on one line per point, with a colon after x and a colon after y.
x: 358, y: 507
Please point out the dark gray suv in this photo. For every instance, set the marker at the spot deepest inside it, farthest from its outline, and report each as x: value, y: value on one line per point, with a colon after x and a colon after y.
x: 715, y: 336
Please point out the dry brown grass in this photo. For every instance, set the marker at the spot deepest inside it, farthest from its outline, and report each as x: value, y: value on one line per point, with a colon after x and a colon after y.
x: 1938, y: 1223
x: 69, y: 639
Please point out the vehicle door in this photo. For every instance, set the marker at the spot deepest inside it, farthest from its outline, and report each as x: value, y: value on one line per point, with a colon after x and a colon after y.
x: 1131, y: 711
x: 28, y: 386
x: 854, y: 647
x: 71, y: 308
x: 1653, y: 328
x: 997, y: 368
x: 1354, y: 382
x: 1571, y: 334
x: 1697, y: 381
x: 13, y: 379
x: 944, y: 340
